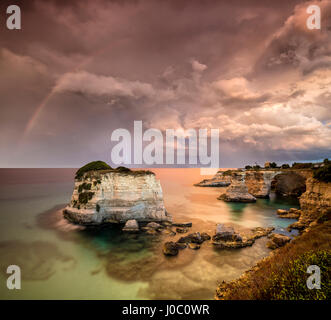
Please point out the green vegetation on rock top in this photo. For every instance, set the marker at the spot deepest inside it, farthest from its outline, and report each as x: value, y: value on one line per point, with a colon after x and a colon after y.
x: 323, y: 173
x: 103, y: 167
x: 92, y: 166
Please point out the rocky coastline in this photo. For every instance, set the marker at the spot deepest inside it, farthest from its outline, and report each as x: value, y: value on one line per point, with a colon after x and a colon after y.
x: 315, y: 236
x: 247, y: 185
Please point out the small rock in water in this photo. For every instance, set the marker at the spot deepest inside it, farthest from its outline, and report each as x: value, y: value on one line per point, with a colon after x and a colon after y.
x: 291, y: 214
x: 153, y: 225
x: 170, y: 248
x: 183, y: 225
x: 191, y: 238
x: 224, y: 233
x: 281, y: 211
x: 168, y: 231
x: 151, y: 232
x: 181, y: 230
x: 194, y: 246
x: 205, y: 236
x: 181, y: 245
x: 131, y: 226
x: 277, y: 241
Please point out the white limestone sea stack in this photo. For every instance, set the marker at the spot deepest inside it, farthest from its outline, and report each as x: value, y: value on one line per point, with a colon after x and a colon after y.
x: 104, y: 195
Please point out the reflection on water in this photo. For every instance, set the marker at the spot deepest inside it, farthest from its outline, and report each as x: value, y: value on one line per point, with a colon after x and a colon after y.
x: 59, y: 260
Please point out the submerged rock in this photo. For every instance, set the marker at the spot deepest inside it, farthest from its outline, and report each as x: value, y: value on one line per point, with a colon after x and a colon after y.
x: 225, y: 234
x: 182, y: 225
x: 168, y: 231
x: 153, y: 225
x: 194, y: 246
x: 181, y: 245
x: 192, y: 238
x: 131, y: 226
x: 226, y: 237
x: 205, y: 236
x: 181, y: 230
x: 277, y: 241
x: 291, y: 214
x: 170, y: 248
x: 152, y: 232
x: 260, y: 232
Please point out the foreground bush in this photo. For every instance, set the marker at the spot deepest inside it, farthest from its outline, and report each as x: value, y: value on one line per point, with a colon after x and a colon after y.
x: 292, y: 285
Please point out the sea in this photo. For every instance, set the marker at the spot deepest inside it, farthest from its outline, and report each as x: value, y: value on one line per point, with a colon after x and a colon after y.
x: 59, y: 260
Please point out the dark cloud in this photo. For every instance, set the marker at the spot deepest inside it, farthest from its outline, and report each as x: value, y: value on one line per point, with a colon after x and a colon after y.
x: 80, y: 69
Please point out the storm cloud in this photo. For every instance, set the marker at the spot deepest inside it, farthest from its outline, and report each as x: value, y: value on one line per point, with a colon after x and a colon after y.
x: 79, y: 70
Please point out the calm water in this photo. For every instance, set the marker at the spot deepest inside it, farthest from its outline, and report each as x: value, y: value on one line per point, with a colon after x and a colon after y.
x: 61, y: 261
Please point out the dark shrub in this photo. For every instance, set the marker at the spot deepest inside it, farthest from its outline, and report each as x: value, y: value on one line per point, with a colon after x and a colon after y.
x: 323, y: 173
x: 307, y: 165
x: 256, y: 167
x: 84, y: 186
x: 123, y: 169
x: 273, y: 165
x: 92, y: 166
x: 84, y: 197
x: 285, y: 166
x: 248, y: 167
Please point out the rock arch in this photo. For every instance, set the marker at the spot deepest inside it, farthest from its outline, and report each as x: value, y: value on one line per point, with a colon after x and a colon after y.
x: 289, y: 184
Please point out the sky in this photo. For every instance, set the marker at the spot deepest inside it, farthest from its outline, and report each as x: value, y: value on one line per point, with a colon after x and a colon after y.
x: 78, y: 70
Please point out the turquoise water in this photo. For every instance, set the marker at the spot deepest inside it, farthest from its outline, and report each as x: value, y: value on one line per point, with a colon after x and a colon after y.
x: 61, y: 261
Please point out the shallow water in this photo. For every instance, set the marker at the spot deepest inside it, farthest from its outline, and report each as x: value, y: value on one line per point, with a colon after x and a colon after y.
x: 61, y: 261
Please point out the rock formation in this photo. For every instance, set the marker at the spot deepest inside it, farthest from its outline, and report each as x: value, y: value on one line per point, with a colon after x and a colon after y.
x: 131, y: 226
x: 293, y: 213
x: 258, y: 183
x: 221, y: 179
x: 315, y: 203
x: 170, y: 248
x: 277, y: 241
x: 116, y: 196
x: 226, y: 237
x: 237, y: 191
x: 289, y: 184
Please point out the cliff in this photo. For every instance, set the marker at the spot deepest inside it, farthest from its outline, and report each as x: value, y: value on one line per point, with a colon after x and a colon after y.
x: 113, y: 196
x: 258, y: 183
x: 315, y: 203
x: 237, y: 191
